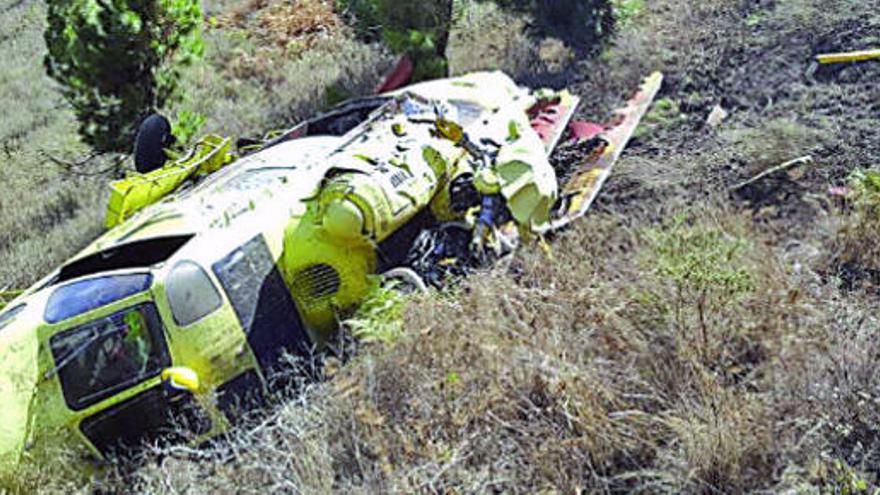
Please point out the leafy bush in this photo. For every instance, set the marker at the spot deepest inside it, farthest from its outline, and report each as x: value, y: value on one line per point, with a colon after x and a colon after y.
x: 581, y: 23
x: 418, y: 29
x: 704, y: 266
x: 855, y: 251
x: 699, y: 259
x: 380, y: 317
x: 118, y: 61
x: 625, y: 11
x: 188, y: 126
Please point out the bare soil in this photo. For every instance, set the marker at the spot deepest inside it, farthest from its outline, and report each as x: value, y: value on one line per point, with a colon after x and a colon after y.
x: 756, y: 60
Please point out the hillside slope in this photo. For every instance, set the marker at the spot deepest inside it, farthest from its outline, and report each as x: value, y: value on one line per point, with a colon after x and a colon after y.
x: 251, y: 81
x: 42, y: 210
x: 684, y: 338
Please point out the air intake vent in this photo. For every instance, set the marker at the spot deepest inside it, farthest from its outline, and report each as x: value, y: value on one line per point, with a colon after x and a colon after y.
x: 316, y: 282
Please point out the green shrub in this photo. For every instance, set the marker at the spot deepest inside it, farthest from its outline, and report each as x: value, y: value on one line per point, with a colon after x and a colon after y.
x: 418, y: 29
x: 118, y: 60
x: 703, y: 264
x: 625, y: 11
x: 583, y: 24
x: 380, y: 317
x: 188, y: 126
x: 699, y: 258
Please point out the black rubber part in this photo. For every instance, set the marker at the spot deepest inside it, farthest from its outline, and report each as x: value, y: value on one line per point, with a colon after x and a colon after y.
x: 154, y: 135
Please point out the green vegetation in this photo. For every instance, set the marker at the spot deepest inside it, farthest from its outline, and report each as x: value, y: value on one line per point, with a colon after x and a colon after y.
x: 699, y: 260
x: 682, y: 339
x: 704, y: 267
x: 585, y: 24
x: 626, y: 11
x: 418, y: 29
x: 187, y: 127
x: 664, y: 114
x: 119, y: 61
x: 379, y: 318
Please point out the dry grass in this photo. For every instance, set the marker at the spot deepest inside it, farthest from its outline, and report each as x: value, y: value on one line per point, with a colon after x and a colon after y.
x: 276, y: 65
x: 292, y: 25
x: 681, y: 340
x: 42, y: 209
x: 600, y: 371
x: 250, y: 81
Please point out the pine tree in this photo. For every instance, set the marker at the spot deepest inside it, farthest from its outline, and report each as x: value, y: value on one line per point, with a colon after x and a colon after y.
x: 119, y: 60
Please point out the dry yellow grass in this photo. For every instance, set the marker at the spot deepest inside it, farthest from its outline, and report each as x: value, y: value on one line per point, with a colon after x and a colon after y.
x: 680, y: 340
x: 298, y: 23
x: 289, y: 25
x: 591, y: 372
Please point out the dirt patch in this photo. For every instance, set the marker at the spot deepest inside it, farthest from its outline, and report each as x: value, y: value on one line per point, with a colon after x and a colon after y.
x: 291, y: 26
x: 753, y: 59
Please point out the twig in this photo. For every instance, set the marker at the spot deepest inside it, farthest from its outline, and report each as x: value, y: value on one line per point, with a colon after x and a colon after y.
x: 68, y: 164
x: 71, y: 167
x: 804, y: 160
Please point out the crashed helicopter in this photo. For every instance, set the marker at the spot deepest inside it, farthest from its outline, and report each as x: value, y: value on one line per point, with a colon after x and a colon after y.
x: 217, y: 265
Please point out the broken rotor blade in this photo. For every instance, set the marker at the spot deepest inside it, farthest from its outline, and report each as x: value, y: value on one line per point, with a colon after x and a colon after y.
x: 582, y: 188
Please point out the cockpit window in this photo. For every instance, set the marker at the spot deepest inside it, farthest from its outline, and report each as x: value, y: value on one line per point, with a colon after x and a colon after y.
x: 191, y: 294
x: 108, y: 355
x: 80, y: 297
x: 7, y: 316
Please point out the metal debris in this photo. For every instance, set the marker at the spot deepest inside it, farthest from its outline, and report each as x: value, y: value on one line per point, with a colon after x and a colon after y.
x: 717, y: 116
x: 848, y: 57
x: 804, y: 160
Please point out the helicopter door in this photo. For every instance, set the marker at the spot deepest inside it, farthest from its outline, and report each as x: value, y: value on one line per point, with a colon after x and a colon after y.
x: 110, y: 370
x: 263, y: 304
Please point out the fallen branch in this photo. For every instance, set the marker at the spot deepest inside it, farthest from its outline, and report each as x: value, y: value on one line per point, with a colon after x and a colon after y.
x: 66, y: 164
x: 804, y: 160
x: 73, y: 167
